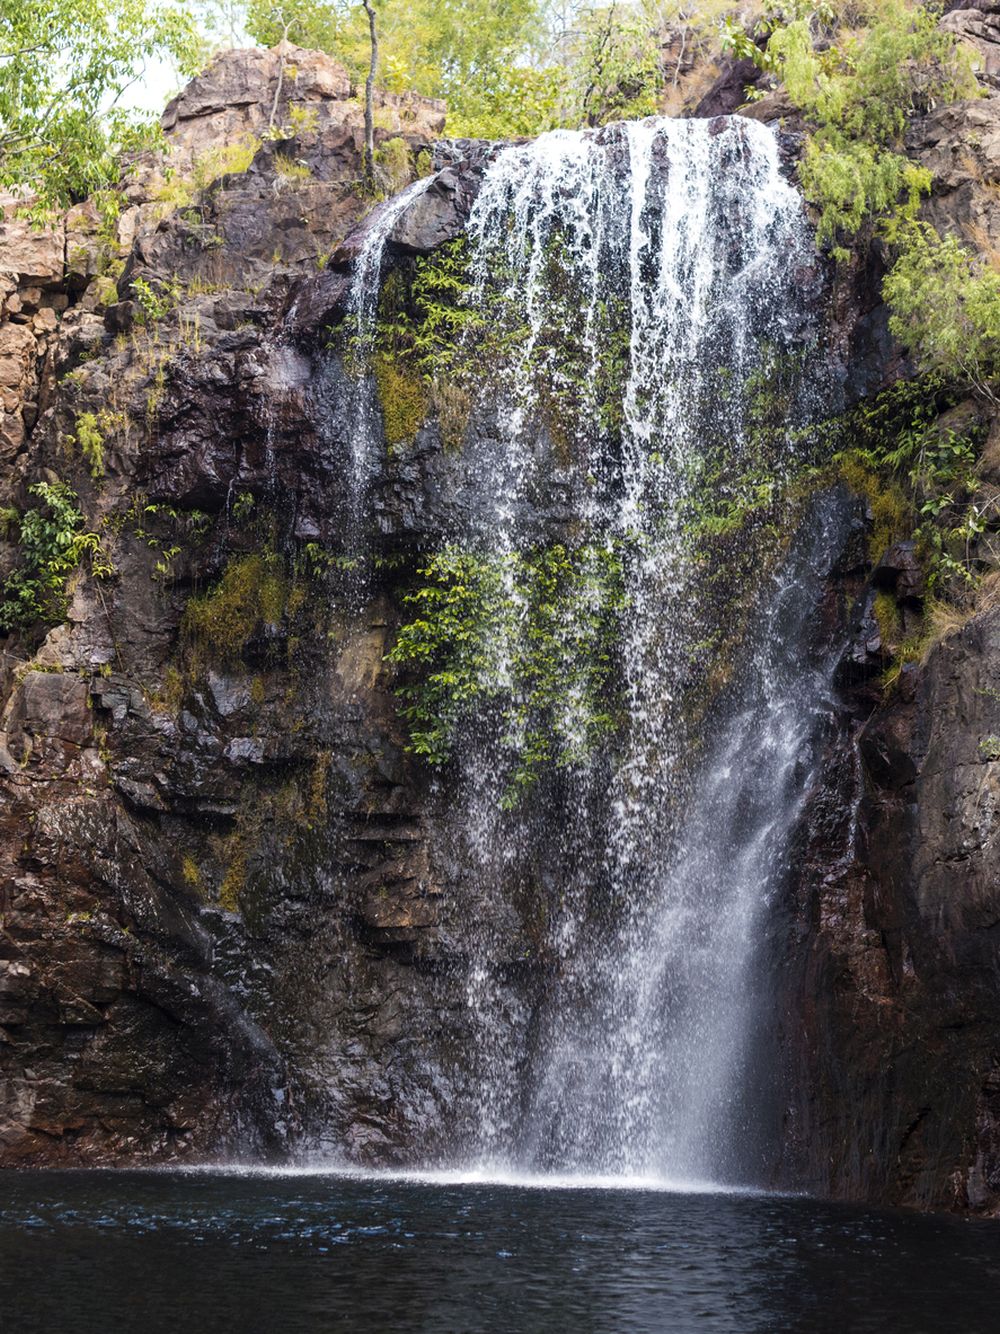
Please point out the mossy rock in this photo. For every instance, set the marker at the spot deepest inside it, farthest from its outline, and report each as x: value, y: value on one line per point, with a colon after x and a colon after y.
x: 403, y: 398
x: 253, y: 591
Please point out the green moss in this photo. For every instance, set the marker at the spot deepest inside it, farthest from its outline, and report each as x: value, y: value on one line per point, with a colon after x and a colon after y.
x: 235, y: 879
x: 889, y: 621
x: 891, y: 509
x: 191, y: 874
x: 402, y: 396
x: 252, y: 592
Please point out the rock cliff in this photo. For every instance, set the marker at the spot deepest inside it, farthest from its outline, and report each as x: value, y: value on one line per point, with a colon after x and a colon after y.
x: 170, y: 881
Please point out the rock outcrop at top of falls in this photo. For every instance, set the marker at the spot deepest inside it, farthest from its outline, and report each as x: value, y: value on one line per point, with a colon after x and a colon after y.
x: 226, y: 900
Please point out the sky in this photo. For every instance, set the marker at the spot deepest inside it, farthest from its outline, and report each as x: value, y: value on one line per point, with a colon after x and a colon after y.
x: 155, y: 87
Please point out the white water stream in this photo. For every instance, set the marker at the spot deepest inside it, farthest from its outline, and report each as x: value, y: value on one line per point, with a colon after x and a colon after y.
x: 679, y: 252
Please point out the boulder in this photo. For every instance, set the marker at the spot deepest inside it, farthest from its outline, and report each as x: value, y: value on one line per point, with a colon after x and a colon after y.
x: 979, y: 29
x: 33, y: 255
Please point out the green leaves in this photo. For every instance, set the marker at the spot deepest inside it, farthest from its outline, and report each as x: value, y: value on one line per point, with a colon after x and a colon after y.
x: 51, y: 546
x: 522, y: 642
x: 64, y: 66
x: 945, y: 306
x: 857, y: 90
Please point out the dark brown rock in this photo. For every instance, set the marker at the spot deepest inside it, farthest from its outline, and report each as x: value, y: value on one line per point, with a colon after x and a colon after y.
x: 897, y: 990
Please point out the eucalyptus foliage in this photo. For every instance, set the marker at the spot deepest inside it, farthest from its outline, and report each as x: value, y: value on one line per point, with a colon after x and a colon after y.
x: 64, y: 67
x: 857, y: 90
x: 945, y: 305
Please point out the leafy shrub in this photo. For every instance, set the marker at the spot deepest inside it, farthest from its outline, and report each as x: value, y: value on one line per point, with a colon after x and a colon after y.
x: 51, y: 546
x: 945, y: 307
x: 857, y: 97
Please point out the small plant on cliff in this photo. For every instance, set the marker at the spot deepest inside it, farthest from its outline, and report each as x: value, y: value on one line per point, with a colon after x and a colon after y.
x: 90, y: 438
x: 92, y: 432
x: 157, y: 302
x: 186, y: 190
x: 51, y: 543
x: 393, y: 165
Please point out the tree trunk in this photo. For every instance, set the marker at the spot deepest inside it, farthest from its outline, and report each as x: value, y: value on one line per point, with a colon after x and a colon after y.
x: 370, y: 97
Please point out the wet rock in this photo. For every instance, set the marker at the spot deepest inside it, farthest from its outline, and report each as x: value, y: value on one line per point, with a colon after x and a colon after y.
x: 51, y: 704
x: 728, y: 93
x: 896, y: 1095
x: 440, y: 213
x: 899, y: 571
x: 960, y: 146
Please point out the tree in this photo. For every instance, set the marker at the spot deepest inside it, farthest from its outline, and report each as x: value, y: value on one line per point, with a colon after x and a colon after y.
x: 462, y: 50
x: 64, y: 67
x: 370, y: 96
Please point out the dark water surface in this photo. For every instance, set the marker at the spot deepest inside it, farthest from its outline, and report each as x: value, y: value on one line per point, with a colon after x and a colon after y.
x: 196, y: 1253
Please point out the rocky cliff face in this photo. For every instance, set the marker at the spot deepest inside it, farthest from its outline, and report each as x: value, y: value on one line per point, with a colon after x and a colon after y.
x: 893, y: 969
x: 181, y: 910
x: 223, y: 929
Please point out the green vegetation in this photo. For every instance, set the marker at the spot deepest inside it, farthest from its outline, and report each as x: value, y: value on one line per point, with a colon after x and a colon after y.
x: 155, y: 303
x: 945, y: 305
x: 51, y: 544
x: 184, y: 191
x: 403, y: 397
x: 920, y: 477
x: 92, y: 432
x: 394, y: 165
x: 290, y: 169
x: 526, y: 639
x: 857, y: 89
x: 428, y: 344
x: 64, y: 65
x: 511, y: 69
x: 253, y: 592
x: 858, y: 72
x: 90, y: 438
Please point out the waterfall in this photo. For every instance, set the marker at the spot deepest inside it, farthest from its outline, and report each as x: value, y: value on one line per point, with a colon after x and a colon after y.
x: 648, y: 295
x: 362, y: 313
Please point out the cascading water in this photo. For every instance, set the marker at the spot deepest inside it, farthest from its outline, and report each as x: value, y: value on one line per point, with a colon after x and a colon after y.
x: 643, y: 287
x: 362, y: 311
